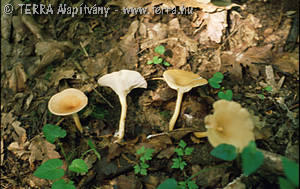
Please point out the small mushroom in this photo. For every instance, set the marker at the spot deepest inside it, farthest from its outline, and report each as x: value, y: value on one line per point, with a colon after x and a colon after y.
x: 182, y: 81
x: 68, y: 102
x: 230, y: 124
x: 122, y: 82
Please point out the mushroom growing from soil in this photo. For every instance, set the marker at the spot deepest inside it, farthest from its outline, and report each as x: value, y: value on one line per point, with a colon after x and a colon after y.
x: 230, y: 124
x: 68, y: 102
x: 182, y: 81
x: 122, y: 82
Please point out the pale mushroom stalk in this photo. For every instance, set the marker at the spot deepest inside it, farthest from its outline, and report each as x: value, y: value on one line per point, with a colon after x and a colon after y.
x: 177, y: 110
x: 122, y: 82
x: 121, y: 131
x: 182, y: 81
x: 200, y: 134
x: 77, y: 122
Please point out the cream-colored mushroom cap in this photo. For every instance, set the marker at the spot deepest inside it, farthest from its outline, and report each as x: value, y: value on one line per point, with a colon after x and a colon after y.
x: 123, y: 81
x: 230, y: 124
x: 67, y: 102
x: 182, y: 80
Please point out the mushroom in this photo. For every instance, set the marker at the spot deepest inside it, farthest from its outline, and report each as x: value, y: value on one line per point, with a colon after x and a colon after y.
x: 182, y: 81
x: 230, y: 124
x: 68, y: 102
x: 122, y: 82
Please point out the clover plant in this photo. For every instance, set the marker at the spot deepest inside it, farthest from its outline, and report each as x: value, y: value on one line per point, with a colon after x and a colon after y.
x: 291, y: 171
x: 51, y: 169
x: 251, y: 157
x: 157, y: 59
x: 145, y: 155
x: 215, y: 82
x: 181, y: 151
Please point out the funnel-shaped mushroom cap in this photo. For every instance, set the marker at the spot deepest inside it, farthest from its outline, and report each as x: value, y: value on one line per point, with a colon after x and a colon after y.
x: 123, y: 81
x: 230, y: 124
x: 182, y: 80
x: 67, y: 102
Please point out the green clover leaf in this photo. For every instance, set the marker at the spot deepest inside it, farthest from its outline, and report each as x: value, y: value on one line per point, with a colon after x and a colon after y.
x: 160, y: 49
x: 78, y: 166
x: 50, y: 170
x: 62, y: 184
x: 251, y: 158
x: 225, y: 152
x: 53, y: 132
x: 227, y: 95
x: 291, y: 170
x: 157, y: 60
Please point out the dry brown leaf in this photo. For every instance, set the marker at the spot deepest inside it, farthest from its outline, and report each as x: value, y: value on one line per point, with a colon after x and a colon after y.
x: 17, y: 78
x: 40, y: 149
x: 233, y: 61
x: 62, y: 74
x: 216, y: 24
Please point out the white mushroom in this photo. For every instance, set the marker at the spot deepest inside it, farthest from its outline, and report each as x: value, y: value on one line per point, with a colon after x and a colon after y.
x: 230, y: 124
x: 182, y: 81
x: 68, y: 102
x: 122, y: 82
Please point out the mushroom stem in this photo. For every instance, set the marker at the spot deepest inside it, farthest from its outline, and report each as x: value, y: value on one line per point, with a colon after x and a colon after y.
x: 177, y: 110
x: 121, y: 131
x: 77, y: 122
x: 200, y: 134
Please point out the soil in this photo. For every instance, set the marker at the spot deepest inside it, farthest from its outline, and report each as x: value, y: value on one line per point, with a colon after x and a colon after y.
x: 44, y: 54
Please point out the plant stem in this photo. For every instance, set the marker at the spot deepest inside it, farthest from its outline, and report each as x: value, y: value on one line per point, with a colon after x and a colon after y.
x: 200, y: 134
x: 77, y: 122
x: 81, y: 157
x: 121, y: 131
x: 177, y: 110
x: 62, y: 150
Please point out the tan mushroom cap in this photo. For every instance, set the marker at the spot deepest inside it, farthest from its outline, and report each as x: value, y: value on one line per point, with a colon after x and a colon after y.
x: 67, y: 102
x: 183, y: 80
x: 230, y: 124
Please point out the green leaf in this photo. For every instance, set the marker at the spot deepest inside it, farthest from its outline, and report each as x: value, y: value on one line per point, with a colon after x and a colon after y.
x: 188, y: 151
x: 160, y: 49
x: 53, y: 132
x: 166, y: 63
x: 251, y: 158
x: 225, y: 152
x: 179, y: 151
x: 168, y: 184
x: 218, y: 76
x: 176, y: 163
x: 141, y: 150
x: 62, y: 184
x: 192, y: 184
x: 157, y: 60
x: 221, y: 3
x: 291, y: 170
x: 182, y: 144
x: 78, y: 166
x: 268, y: 88
x: 137, y: 169
x: 150, y: 62
x: 213, y: 83
x: 182, y: 164
x: 92, y: 146
x: 227, y: 95
x: 285, y: 184
x: 143, y: 172
x: 50, y: 170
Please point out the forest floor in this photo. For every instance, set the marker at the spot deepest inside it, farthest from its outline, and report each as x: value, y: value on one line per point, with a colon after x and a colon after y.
x: 44, y: 54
